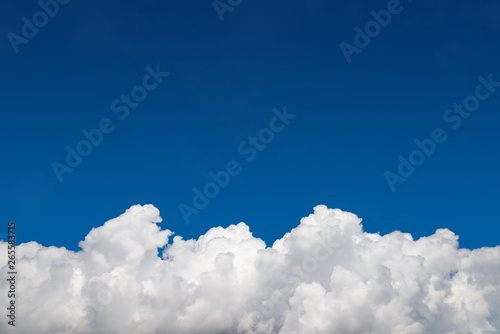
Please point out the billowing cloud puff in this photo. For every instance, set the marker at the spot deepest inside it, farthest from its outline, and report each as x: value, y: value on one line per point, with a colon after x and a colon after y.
x: 325, y: 276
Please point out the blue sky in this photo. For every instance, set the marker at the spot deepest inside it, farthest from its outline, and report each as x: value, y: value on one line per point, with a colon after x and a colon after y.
x: 225, y: 78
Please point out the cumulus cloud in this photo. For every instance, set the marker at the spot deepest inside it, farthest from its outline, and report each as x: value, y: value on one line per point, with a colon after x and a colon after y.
x: 325, y: 276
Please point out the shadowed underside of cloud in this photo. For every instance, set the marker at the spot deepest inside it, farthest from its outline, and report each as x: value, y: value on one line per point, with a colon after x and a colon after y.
x: 325, y: 276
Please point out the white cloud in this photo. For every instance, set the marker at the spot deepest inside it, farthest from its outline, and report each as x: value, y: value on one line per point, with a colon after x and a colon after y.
x: 325, y: 276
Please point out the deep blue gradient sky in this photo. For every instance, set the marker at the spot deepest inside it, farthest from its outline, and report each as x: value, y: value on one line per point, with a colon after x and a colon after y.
x: 353, y: 120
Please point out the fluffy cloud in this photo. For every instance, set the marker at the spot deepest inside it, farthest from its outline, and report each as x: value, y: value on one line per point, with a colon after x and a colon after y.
x: 325, y: 276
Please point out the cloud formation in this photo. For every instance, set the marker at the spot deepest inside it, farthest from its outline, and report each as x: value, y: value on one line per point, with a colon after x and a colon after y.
x: 325, y: 276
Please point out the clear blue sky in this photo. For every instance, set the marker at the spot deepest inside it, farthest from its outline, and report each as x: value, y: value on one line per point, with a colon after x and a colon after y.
x: 225, y: 77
